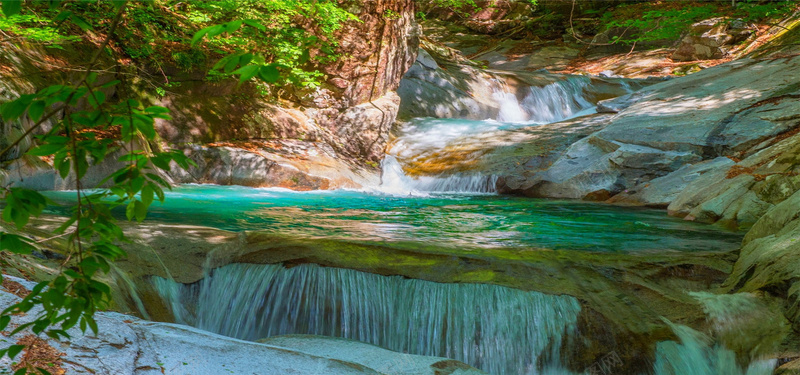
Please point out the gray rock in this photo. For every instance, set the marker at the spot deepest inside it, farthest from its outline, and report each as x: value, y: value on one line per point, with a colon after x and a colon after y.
x: 379, y: 359
x: 711, y: 39
x: 126, y: 345
x: 736, y: 110
x: 710, y: 112
x: 664, y: 190
x: 594, y: 164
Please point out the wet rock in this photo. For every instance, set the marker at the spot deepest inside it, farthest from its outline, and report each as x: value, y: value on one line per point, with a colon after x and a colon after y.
x: 595, y: 163
x: 460, y: 91
x: 727, y: 111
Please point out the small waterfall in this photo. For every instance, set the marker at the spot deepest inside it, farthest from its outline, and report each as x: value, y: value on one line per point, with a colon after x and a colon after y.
x: 395, y: 181
x: 500, y: 330
x: 553, y: 102
x: 419, y: 139
x: 557, y: 101
x: 697, y: 355
x: 510, y: 109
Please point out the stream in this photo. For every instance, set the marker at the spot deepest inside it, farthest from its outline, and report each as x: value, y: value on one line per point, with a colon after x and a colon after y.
x: 498, y: 329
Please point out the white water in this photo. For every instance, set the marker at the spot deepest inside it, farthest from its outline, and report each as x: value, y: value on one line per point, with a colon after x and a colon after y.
x: 696, y: 354
x: 422, y: 138
x: 497, y: 329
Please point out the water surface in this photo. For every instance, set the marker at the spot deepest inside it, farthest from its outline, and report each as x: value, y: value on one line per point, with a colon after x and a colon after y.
x: 482, y: 220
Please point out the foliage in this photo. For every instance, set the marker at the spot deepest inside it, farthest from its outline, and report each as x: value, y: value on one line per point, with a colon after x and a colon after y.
x: 299, y: 36
x: 656, y: 21
x: 87, y: 127
x: 656, y: 24
x: 77, y: 140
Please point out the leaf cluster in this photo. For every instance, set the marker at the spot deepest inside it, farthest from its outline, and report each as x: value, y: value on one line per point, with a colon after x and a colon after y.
x: 88, y: 126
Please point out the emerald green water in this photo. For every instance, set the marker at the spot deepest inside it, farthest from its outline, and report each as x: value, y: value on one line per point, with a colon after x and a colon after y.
x: 443, y: 219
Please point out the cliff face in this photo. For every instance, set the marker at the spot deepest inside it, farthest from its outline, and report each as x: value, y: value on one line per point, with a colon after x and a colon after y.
x: 359, y: 105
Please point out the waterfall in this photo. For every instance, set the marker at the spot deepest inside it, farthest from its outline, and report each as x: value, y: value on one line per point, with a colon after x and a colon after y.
x: 497, y: 329
x: 696, y: 354
x: 395, y: 181
x: 557, y: 101
x: 421, y: 138
x: 553, y: 102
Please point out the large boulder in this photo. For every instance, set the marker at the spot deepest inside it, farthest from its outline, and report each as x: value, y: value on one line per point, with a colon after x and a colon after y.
x: 658, y: 147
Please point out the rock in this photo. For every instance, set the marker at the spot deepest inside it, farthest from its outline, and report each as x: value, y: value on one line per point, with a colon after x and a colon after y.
x: 725, y: 111
x: 769, y: 259
x: 614, y: 105
x: 740, y: 194
x: 382, y: 360
x: 460, y: 91
x: 594, y: 163
x: 291, y: 164
x: 711, y: 39
x: 662, y: 191
x: 710, y: 113
x: 128, y: 345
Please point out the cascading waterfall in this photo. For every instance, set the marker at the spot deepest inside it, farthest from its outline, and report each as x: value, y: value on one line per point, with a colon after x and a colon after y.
x: 699, y: 354
x: 696, y: 354
x: 497, y: 329
x: 559, y: 100
x: 395, y: 181
x: 556, y: 101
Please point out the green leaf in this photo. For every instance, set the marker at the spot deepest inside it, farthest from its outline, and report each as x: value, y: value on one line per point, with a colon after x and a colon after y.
x: 13, y: 109
x: 4, y: 320
x: 147, y: 195
x: 233, y: 26
x: 246, y: 72
x: 245, y: 59
x: 15, y: 244
x: 256, y: 24
x: 46, y: 149
x: 137, y: 184
x: 11, y: 7
x: 140, y: 210
x: 36, y: 110
x: 161, y: 161
x: 199, y: 35
x: 109, y: 84
x: 63, y: 169
x: 269, y: 73
x: 231, y: 65
x: 97, y: 98
x: 145, y: 125
x: 215, y: 30
x: 81, y: 22
x: 63, y: 16
x: 13, y: 350
x: 130, y: 210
